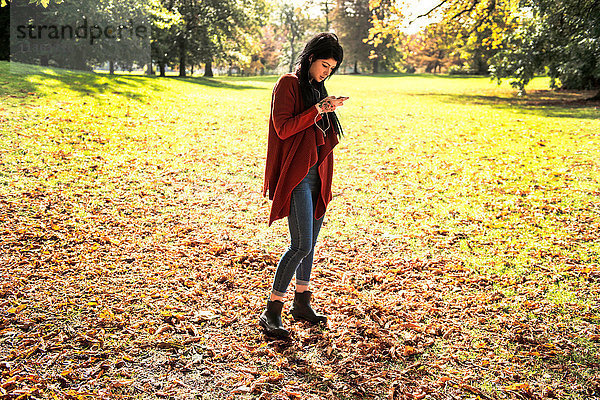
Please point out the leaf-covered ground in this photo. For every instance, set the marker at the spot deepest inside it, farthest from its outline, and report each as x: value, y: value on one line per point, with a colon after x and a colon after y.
x: 459, y: 258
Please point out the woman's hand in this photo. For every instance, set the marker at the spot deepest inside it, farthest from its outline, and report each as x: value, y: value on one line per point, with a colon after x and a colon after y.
x: 330, y: 103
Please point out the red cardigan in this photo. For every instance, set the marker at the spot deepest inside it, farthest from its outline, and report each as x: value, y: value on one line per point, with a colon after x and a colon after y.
x: 292, y: 149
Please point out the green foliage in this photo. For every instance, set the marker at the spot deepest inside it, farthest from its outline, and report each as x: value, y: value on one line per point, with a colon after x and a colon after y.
x: 82, y: 34
x: 165, y: 25
x: 561, y: 37
x: 478, y: 28
x: 183, y: 32
x: 44, y: 3
x: 469, y: 33
x: 225, y: 31
x: 431, y: 49
x: 524, y: 55
x: 4, y: 32
x: 352, y: 20
x: 294, y: 25
x: 385, y: 37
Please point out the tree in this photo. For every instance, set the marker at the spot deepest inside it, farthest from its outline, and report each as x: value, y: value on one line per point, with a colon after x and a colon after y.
x: 191, y: 32
x: 4, y: 32
x: 558, y: 37
x: 271, y: 47
x: 294, y: 25
x: 228, y: 29
x: 165, y: 26
x: 562, y: 38
x: 470, y: 30
x: 352, y: 20
x: 81, y: 34
x: 479, y: 30
x: 385, y: 35
x: 432, y: 49
x: 240, y: 37
x: 326, y: 9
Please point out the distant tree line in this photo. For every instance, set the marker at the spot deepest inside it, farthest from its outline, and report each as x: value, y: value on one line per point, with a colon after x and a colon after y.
x: 509, y: 39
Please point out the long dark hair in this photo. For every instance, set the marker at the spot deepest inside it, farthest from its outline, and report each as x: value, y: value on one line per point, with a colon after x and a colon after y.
x: 322, y: 46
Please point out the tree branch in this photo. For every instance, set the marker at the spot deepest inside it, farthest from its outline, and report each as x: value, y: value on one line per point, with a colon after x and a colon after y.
x: 466, y: 10
x: 429, y: 12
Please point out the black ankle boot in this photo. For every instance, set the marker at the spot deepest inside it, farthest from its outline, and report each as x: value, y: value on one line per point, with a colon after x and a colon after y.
x: 301, y: 309
x: 270, y: 319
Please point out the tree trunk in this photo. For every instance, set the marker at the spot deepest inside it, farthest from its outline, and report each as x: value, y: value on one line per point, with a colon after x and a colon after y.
x: 5, y: 42
x: 111, y: 67
x: 163, y: 70
x: 208, y: 72
x: 293, y: 58
x: 355, y: 66
x: 192, y: 69
x: 149, y: 69
x: 376, y: 65
x: 481, y: 65
x: 182, y: 58
x: 326, y: 10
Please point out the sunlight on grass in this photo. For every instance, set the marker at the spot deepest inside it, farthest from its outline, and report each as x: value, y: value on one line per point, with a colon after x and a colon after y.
x: 430, y: 165
x: 431, y: 169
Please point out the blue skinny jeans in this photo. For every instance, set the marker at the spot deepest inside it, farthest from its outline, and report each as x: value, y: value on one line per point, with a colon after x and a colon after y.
x: 304, y: 230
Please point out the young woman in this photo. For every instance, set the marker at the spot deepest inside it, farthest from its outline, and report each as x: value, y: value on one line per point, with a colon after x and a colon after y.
x: 303, y: 130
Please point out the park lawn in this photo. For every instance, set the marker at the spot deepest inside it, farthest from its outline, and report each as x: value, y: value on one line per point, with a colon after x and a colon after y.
x: 459, y: 257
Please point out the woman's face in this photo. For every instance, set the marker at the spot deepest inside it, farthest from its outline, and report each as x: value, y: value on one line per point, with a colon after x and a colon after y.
x: 321, y: 68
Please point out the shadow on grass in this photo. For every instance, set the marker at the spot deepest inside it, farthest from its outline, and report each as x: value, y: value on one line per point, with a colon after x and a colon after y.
x: 23, y: 77
x: 216, y: 83
x: 15, y: 78
x: 545, y: 103
x: 420, y: 75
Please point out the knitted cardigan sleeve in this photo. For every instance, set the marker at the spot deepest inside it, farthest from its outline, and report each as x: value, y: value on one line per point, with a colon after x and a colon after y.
x: 286, y: 124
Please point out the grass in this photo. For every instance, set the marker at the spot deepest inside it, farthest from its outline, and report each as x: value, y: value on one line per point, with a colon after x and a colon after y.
x: 432, y: 168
